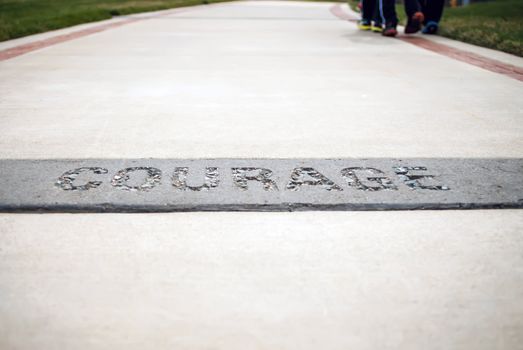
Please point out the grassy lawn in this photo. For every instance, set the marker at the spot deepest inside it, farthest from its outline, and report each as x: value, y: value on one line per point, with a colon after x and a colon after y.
x: 497, y: 24
x: 24, y: 17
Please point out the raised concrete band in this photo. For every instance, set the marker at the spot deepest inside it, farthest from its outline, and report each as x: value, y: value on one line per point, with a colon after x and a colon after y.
x: 162, y: 185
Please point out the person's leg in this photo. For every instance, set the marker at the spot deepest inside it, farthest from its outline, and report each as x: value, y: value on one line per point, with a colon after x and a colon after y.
x: 377, y: 23
x: 411, y: 7
x: 433, y: 10
x: 415, y: 16
x: 367, y: 14
x: 388, y: 16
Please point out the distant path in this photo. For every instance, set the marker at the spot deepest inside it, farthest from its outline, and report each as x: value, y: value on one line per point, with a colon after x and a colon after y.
x: 207, y: 80
x: 337, y: 10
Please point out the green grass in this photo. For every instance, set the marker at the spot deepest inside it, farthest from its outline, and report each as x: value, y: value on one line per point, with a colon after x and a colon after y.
x: 24, y: 17
x: 496, y: 24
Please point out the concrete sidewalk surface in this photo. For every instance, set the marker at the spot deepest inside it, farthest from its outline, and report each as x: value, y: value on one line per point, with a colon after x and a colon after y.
x: 251, y: 80
x: 329, y: 280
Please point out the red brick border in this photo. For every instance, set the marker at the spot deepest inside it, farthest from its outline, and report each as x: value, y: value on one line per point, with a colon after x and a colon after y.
x: 467, y: 57
x: 40, y: 44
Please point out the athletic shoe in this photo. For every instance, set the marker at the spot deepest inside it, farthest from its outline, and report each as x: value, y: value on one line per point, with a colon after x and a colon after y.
x: 364, y: 24
x: 390, y: 30
x: 430, y: 28
x: 377, y: 27
x: 414, y: 23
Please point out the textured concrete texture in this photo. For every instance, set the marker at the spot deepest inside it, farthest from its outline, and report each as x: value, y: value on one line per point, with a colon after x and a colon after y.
x: 149, y: 185
x: 257, y: 80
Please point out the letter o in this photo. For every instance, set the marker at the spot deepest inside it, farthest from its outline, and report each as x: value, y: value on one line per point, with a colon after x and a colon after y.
x: 121, y: 177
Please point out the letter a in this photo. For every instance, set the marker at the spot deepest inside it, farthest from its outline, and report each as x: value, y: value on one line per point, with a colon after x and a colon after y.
x: 318, y: 179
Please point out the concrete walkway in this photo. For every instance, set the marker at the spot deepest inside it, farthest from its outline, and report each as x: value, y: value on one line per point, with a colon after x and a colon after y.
x: 257, y: 79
